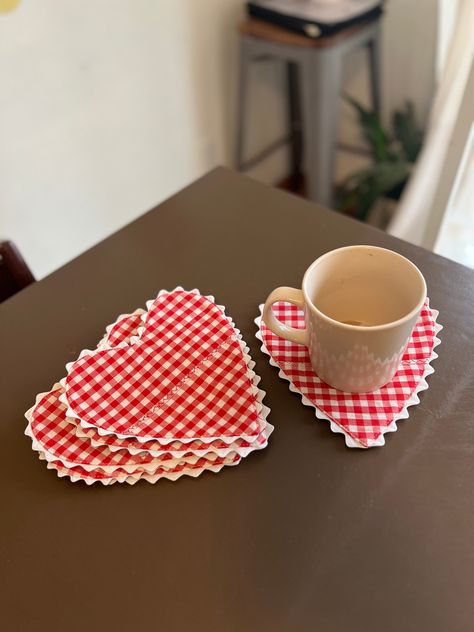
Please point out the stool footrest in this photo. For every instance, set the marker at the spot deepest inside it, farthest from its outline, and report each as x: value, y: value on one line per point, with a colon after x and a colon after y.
x: 264, y: 153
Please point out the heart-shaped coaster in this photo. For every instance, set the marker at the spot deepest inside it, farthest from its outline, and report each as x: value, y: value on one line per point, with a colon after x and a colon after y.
x: 59, y: 439
x: 78, y: 474
x: 176, y: 449
x: 185, y: 378
x: 120, y: 333
x: 363, y: 418
x: 53, y: 434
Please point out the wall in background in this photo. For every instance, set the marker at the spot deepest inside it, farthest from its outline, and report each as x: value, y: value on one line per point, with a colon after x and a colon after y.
x: 108, y: 108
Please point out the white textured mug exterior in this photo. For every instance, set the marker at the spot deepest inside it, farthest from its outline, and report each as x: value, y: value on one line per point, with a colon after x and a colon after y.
x: 349, y: 357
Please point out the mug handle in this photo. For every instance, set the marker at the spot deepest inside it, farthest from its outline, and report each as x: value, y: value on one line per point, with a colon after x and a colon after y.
x: 288, y: 295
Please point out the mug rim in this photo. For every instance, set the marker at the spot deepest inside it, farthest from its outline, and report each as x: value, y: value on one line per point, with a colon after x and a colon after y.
x: 383, y: 326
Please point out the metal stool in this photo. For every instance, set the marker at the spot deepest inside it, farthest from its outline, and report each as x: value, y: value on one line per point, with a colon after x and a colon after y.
x: 314, y: 85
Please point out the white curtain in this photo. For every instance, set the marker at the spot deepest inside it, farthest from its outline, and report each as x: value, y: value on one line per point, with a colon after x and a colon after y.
x: 414, y: 218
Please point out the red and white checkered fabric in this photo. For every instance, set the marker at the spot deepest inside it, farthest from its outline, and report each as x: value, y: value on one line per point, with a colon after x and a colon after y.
x: 54, y: 434
x: 177, y: 449
x: 362, y: 416
x: 121, y: 333
x: 184, y: 379
x: 85, y: 454
x: 124, y: 328
x: 79, y: 474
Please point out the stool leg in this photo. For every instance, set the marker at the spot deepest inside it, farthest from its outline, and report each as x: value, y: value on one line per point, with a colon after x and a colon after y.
x: 321, y: 86
x: 244, y: 66
x: 374, y: 48
x: 294, y: 112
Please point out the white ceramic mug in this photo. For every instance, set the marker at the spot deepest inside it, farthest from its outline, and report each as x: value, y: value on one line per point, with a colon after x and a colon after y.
x: 361, y: 304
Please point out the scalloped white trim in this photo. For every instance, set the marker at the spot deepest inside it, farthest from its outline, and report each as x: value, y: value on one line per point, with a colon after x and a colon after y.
x: 392, y: 427
x: 131, y: 479
x: 266, y: 431
x: 259, y: 394
x: 131, y: 468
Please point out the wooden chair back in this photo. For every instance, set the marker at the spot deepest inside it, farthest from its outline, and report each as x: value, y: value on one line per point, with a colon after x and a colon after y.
x: 14, y: 271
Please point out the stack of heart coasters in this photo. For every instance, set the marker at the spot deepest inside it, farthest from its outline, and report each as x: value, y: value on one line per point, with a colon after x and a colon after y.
x: 169, y: 391
x: 363, y: 418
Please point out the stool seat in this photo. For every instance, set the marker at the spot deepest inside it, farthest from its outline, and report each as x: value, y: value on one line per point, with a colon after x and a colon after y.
x: 253, y: 27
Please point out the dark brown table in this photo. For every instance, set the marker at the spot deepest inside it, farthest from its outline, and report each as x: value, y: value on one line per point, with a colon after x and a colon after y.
x: 306, y: 535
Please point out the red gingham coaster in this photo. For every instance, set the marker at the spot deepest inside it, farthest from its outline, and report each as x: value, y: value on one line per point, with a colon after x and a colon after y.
x: 176, y: 449
x: 78, y: 474
x: 363, y: 418
x: 122, y: 332
x: 184, y: 379
x: 54, y: 435
x: 59, y: 440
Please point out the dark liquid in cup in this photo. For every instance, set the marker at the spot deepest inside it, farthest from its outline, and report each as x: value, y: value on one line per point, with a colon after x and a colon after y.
x: 357, y: 323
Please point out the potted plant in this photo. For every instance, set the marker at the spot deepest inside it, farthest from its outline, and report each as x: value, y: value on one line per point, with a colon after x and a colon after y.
x: 393, y: 157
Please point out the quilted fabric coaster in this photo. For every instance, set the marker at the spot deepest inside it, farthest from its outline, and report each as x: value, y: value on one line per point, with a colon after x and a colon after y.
x: 121, y: 333
x: 363, y: 418
x: 78, y: 474
x: 184, y: 378
x: 54, y: 434
x: 177, y: 449
x: 67, y: 448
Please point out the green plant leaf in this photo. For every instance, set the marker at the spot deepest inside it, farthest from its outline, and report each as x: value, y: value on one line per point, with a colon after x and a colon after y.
x: 407, y: 131
x: 360, y: 190
x: 393, y: 160
x: 372, y: 129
